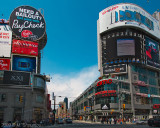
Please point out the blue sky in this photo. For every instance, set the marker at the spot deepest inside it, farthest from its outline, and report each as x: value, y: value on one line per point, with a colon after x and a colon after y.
x: 70, y: 55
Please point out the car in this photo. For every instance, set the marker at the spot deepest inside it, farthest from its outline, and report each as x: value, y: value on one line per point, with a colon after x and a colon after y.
x: 59, y: 121
x: 154, y: 122
x: 141, y: 122
x: 68, y: 121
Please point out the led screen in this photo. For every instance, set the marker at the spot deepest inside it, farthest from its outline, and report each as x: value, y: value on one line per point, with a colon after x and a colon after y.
x: 22, y: 63
x: 152, y: 52
x: 125, y: 47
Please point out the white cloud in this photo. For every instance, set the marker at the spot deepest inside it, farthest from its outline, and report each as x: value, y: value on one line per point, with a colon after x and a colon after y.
x: 72, y: 85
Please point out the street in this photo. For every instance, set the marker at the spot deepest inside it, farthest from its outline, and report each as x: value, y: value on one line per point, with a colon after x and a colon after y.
x: 94, y: 125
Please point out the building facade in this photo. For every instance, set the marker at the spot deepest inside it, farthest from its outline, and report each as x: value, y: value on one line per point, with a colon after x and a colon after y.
x: 128, y: 61
x: 23, y: 91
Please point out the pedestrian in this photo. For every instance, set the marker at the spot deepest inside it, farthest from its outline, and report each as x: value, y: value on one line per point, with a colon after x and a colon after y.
x: 107, y: 120
x: 110, y: 120
x: 115, y: 120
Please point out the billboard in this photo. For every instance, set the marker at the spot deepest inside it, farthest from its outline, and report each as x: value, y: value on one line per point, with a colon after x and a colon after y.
x: 5, y: 41
x: 115, y: 69
x: 25, y: 47
x: 121, y: 44
x: 27, y: 23
x: 16, y: 78
x: 22, y: 63
x: 4, y: 64
x: 152, y: 52
x: 125, y: 47
x: 126, y: 14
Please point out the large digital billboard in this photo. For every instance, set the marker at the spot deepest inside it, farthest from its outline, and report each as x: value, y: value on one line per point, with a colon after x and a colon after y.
x: 23, y: 63
x: 25, y: 47
x: 4, y: 64
x: 125, y: 47
x: 27, y: 23
x: 120, y: 45
x: 152, y: 52
x: 126, y: 14
x: 16, y: 78
x: 5, y: 41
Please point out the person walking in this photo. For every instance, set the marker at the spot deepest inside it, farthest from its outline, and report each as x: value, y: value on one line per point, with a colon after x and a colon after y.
x: 110, y: 120
x: 107, y: 120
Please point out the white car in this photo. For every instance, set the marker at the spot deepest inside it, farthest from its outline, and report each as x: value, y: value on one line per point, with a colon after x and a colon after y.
x: 141, y: 121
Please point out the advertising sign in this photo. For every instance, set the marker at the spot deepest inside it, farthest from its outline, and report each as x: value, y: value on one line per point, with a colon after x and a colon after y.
x: 127, y: 14
x: 27, y: 23
x: 25, y: 47
x: 115, y: 69
x: 152, y: 52
x: 125, y: 47
x: 105, y: 106
x: 22, y: 63
x: 16, y: 78
x: 4, y: 64
x: 39, y: 82
x: 5, y: 41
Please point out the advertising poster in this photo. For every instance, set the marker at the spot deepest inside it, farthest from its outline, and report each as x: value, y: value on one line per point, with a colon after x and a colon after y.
x: 16, y: 78
x: 25, y: 47
x: 5, y: 41
x: 27, y: 23
x: 22, y: 63
x: 4, y: 64
x: 152, y: 52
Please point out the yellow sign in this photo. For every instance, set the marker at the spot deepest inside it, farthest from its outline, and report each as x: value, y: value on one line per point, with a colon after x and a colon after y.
x: 84, y: 108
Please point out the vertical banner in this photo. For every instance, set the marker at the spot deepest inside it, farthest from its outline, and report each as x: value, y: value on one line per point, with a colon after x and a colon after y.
x: 152, y: 52
x: 5, y: 41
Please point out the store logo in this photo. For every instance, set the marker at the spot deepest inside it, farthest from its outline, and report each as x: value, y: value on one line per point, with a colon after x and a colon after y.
x: 103, y: 82
x: 105, y: 107
x: 26, y: 33
x: 17, y: 78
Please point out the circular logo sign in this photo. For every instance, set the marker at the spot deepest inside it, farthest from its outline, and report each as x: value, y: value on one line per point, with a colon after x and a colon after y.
x: 27, y: 23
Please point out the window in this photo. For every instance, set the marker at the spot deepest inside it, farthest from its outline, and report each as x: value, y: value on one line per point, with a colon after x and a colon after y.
x: 3, y: 97
x: 39, y: 98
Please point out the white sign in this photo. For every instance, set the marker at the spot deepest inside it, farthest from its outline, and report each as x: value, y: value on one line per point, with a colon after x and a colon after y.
x: 5, y: 41
x: 127, y: 15
x: 105, y: 107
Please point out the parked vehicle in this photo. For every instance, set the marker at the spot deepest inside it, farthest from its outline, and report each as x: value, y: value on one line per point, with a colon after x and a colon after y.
x: 139, y: 122
x: 154, y: 122
x: 59, y: 121
x: 68, y: 121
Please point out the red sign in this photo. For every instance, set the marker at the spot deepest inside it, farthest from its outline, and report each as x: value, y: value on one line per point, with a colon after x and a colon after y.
x: 156, y: 106
x: 26, y: 33
x: 107, y: 92
x: 141, y: 83
x: 25, y: 47
x: 4, y: 64
x: 103, y: 82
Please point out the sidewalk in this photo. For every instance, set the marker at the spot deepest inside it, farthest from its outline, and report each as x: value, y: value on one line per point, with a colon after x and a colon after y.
x: 91, y: 122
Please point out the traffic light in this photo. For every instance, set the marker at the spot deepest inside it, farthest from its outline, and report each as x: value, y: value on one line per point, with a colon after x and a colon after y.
x: 54, y: 111
x: 62, y: 106
x: 123, y: 106
x: 21, y: 99
x: 84, y: 108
